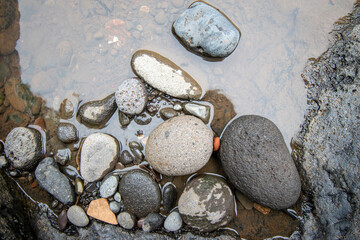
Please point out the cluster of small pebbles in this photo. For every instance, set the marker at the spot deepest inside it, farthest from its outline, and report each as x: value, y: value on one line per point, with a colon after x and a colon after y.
x: 92, y: 177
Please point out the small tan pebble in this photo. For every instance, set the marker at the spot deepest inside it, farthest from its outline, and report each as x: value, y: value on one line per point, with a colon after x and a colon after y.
x: 262, y: 209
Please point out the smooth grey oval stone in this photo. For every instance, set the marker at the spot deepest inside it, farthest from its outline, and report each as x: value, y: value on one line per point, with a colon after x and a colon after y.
x: 131, y: 96
x: 173, y: 222
x: 67, y: 133
x: 115, y: 206
x: 140, y: 193
x: 179, y: 146
x: 163, y: 74
x: 109, y: 186
x: 23, y: 148
x: 77, y: 216
x: 126, y: 220
x: 198, y: 110
x: 99, y: 154
x: 54, y: 182
x: 206, y: 31
x: 152, y: 222
x: 258, y: 163
x: 207, y: 203
x: 95, y: 114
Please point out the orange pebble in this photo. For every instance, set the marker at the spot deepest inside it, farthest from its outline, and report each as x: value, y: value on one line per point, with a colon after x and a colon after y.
x: 216, y: 144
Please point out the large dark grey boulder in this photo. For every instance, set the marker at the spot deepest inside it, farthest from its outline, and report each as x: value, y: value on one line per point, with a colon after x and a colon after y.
x: 256, y: 160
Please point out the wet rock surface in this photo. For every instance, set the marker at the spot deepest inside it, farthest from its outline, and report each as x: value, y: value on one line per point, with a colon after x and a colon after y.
x: 179, y: 146
x: 67, y: 133
x: 327, y: 148
x: 206, y: 31
x: 54, y: 182
x: 256, y: 160
x: 95, y: 114
x: 207, y: 203
x: 163, y: 74
x: 140, y: 193
x: 131, y: 96
x: 98, y: 146
x: 23, y: 147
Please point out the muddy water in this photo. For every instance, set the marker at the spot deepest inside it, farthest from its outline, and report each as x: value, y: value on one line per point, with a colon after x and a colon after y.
x: 82, y: 49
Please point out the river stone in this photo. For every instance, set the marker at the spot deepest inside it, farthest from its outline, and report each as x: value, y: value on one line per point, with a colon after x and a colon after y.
x: 207, y: 203
x: 99, y: 154
x: 163, y: 74
x: 95, y: 114
x: 23, y: 148
x: 169, y: 196
x: 258, y: 163
x: 126, y: 220
x: 109, y: 186
x: 152, y: 222
x: 179, y: 146
x: 131, y: 96
x: 173, y: 222
x: 206, y: 31
x: 140, y: 193
x: 54, y: 182
x: 198, y: 110
x: 77, y: 216
x: 67, y: 133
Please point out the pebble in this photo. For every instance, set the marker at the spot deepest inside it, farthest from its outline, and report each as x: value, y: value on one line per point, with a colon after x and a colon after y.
x: 198, y: 110
x: 70, y: 171
x: 131, y: 96
x: 77, y: 216
x: 100, y: 210
x: 117, y: 197
x: 23, y: 148
x: 206, y: 31
x: 98, y: 146
x: 126, y: 158
x: 66, y: 109
x: 62, y: 220
x: 177, y: 3
x: 245, y: 201
x: 126, y: 220
x: 91, y: 187
x: 3, y: 162
x: 95, y: 114
x: 79, y: 186
x: 262, y: 209
x: 143, y: 119
x: 179, y: 146
x: 164, y: 75
x: 67, y: 133
x: 177, y: 107
x: 173, y: 222
x: 54, y: 182
x: 62, y: 156
x: 152, y: 221
x: 264, y: 172
x: 167, y: 113
x: 124, y: 119
x: 169, y: 197
x: 115, y: 207
x: 109, y: 186
x: 207, y: 203
x: 140, y: 193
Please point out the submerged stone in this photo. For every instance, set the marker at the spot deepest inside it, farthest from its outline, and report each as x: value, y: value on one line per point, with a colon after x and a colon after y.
x: 198, y: 110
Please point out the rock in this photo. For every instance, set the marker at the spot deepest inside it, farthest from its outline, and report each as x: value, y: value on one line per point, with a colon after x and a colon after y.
x: 162, y: 74
x: 140, y: 193
x: 62, y: 156
x: 143, y: 119
x: 109, y: 186
x: 98, y: 146
x: 77, y: 216
x: 23, y: 148
x: 70, y: 171
x: 126, y: 158
x: 169, y: 197
x: 173, y: 222
x: 131, y: 96
x: 152, y: 222
x: 54, y: 182
x: 245, y: 201
x: 124, y: 119
x: 177, y: 107
x: 207, y: 203
x: 262, y: 209
x: 67, y: 133
x: 198, y: 110
x: 179, y: 146
x: 167, y: 113
x: 256, y: 160
x: 206, y: 31
x: 100, y: 210
x: 177, y: 3
x: 3, y: 162
x: 66, y: 109
x: 117, y: 197
x: 62, y: 220
x: 126, y: 220
x: 115, y: 207
x: 95, y: 114
x: 79, y: 186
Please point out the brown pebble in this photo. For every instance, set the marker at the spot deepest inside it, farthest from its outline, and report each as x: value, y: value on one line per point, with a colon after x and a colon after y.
x: 100, y: 210
x: 34, y: 184
x: 40, y: 122
x: 62, y: 220
x: 262, y: 209
x: 216, y: 144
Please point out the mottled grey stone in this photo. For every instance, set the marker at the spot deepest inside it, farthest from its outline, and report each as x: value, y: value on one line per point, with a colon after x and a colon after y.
x: 109, y: 186
x: 140, y: 193
x: 198, y: 110
x: 152, y: 222
x: 173, y: 222
x: 62, y: 156
x: 258, y: 163
x: 95, y: 114
x: 99, y: 154
x: 131, y: 96
x: 77, y: 216
x: 206, y: 31
x: 179, y: 146
x: 126, y: 220
x: 163, y: 74
x: 115, y: 206
x: 207, y: 203
x: 54, y: 182
x: 67, y: 133
x: 23, y: 148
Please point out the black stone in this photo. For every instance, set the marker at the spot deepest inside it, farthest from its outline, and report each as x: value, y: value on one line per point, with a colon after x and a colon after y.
x: 169, y: 197
x: 152, y: 222
x: 126, y: 157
